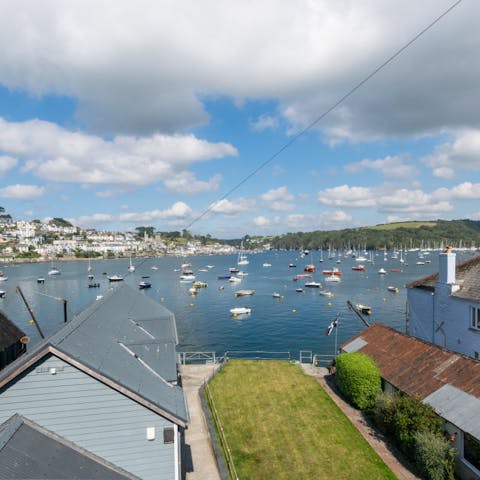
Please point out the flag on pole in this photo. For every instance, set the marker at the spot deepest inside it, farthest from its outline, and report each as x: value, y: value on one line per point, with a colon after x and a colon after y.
x: 332, y: 326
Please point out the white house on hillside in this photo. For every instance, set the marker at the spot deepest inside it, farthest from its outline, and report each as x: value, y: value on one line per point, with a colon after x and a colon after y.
x: 444, y: 308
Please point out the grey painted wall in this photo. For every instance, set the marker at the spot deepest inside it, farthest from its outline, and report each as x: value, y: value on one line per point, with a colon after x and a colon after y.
x: 93, y: 415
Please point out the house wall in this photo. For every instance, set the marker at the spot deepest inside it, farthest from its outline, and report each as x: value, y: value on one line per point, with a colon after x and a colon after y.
x: 463, y: 469
x: 443, y: 319
x: 93, y: 415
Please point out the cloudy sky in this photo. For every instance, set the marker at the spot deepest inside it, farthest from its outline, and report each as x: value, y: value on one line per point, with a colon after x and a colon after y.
x: 116, y: 114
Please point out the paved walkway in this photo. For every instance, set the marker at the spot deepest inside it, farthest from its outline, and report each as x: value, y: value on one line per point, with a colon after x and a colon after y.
x: 196, y: 435
x: 387, y: 453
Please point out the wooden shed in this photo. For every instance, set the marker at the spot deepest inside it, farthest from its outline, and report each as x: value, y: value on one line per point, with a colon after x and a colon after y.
x: 10, y: 345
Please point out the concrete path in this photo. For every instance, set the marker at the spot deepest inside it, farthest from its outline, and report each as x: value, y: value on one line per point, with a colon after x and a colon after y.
x: 386, y: 452
x: 196, y: 435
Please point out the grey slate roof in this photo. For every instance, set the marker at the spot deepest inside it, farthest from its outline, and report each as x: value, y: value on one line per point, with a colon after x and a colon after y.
x: 467, y: 276
x: 9, y: 332
x: 457, y: 407
x: 128, y: 338
x: 27, y: 450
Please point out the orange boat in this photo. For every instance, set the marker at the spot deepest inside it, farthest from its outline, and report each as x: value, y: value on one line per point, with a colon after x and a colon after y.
x: 301, y: 275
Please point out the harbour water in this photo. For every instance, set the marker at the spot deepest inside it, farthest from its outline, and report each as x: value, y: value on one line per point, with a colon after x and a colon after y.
x: 295, y: 321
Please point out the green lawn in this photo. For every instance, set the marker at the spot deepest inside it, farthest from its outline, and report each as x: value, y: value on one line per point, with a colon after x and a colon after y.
x: 280, y: 424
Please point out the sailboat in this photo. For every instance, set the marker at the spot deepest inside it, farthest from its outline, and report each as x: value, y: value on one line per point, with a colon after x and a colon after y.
x: 131, y: 267
x: 54, y: 270
x: 242, y: 258
x: 89, y: 270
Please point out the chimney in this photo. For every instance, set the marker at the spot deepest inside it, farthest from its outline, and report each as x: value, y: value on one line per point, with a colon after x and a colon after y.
x: 446, y: 267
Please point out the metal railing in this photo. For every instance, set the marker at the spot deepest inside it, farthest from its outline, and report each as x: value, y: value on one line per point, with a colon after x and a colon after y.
x: 221, y: 434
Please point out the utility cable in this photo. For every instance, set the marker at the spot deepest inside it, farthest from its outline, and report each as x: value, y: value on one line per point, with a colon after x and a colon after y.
x: 324, y: 114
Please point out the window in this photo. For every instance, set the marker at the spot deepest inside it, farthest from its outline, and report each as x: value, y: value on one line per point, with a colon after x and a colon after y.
x: 475, y: 317
x: 168, y: 435
x: 471, y: 450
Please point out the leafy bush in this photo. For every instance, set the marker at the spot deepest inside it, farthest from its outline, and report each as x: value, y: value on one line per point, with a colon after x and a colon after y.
x: 401, y: 417
x: 434, y: 456
x: 358, y: 378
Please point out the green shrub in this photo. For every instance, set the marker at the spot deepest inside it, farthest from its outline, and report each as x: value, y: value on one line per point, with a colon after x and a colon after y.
x: 358, y: 378
x: 402, y: 417
x: 434, y: 456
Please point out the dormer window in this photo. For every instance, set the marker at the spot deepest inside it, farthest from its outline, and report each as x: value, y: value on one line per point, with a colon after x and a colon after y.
x: 475, y: 318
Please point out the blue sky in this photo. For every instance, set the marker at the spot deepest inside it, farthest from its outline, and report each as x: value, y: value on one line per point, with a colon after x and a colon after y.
x: 120, y: 114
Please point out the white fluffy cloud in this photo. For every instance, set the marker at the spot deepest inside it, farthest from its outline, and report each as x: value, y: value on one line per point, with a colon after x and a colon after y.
x: 55, y: 154
x: 7, y: 163
x: 262, y: 221
x: 93, y: 220
x: 463, y: 152
x: 345, y: 196
x: 393, y: 167
x: 131, y: 71
x: 264, y: 122
x: 22, y: 192
x: 178, y: 210
x: 186, y: 183
x: 278, y: 199
x: 233, y: 207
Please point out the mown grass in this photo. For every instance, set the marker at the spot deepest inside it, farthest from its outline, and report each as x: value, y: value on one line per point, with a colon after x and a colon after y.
x: 280, y: 424
x: 395, y: 226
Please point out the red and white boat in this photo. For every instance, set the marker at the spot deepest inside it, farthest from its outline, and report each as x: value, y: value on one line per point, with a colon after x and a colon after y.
x: 334, y: 271
x: 309, y: 268
x: 359, y: 268
x: 301, y: 275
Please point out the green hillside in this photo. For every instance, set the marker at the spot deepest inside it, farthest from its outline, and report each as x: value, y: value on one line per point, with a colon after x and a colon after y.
x: 406, y: 234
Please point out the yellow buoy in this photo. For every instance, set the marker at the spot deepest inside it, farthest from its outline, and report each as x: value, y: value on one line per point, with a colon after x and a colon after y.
x: 294, y: 311
x: 31, y: 322
x: 162, y: 299
x: 329, y: 304
x: 191, y: 305
x: 235, y: 315
x: 384, y: 299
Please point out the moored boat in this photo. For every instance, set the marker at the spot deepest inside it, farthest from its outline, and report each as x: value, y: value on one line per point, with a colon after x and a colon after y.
x: 240, y: 311
x: 359, y: 268
x: 143, y: 285
x: 326, y: 293
x: 333, y: 278
x: 382, y: 271
x: 309, y: 268
x: 115, y: 278
x: 392, y: 289
x: 244, y: 293
x: 365, y: 309
x: 313, y: 285
x: 277, y: 295
x: 3, y: 293
x: 333, y: 271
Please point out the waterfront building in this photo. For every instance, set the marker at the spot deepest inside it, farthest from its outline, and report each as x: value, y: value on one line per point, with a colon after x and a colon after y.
x: 108, y: 382
x: 446, y: 380
x: 444, y: 308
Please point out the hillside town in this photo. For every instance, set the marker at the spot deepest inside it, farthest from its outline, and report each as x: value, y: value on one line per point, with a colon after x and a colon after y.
x: 57, y: 238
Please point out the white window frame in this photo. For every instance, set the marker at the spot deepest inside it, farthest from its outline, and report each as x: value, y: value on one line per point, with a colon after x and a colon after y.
x: 475, y: 318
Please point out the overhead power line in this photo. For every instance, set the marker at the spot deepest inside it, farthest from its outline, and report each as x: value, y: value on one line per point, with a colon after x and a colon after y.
x: 324, y: 114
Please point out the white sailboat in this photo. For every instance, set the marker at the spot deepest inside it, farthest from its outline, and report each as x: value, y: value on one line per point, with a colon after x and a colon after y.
x: 131, y: 267
x: 242, y: 258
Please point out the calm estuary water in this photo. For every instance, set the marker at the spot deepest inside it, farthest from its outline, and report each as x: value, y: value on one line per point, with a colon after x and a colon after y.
x: 295, y: 322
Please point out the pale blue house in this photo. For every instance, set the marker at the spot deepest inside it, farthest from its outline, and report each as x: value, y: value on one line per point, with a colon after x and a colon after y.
x: 107, y: 382
x: 444, y: 308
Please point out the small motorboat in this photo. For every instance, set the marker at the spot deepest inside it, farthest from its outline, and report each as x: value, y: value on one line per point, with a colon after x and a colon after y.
x: 333, y: 278
x: 145, y: 276
x: 309, y: 268
x: 233, y: 270
x: 313, y: 285
x: 244, y: 293
x: 359, y: 268
x: 240, y: 311
x: 3, y: 293
x: 40, y: 280
x: 277, y: 295
x: 54, y: 271
x: 292, y: 265
x: 199, y: 284
x: 382, y: 271
x: 154, y: 268
x: 90, y: 276
x: 93, y: 285
x: 326, y: 294
x: 224, y: 277
x: 392, y: 289
x: 187, y: 277
x: 365, y: 309
x: 234, y: 279
x: 242, y: 274
x: 299, y: 290
x: 115, y: 278
x: 143, y: 285
x: 267, y: 265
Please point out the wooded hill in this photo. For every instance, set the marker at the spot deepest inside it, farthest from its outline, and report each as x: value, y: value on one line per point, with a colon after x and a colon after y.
x: 434, y: 234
